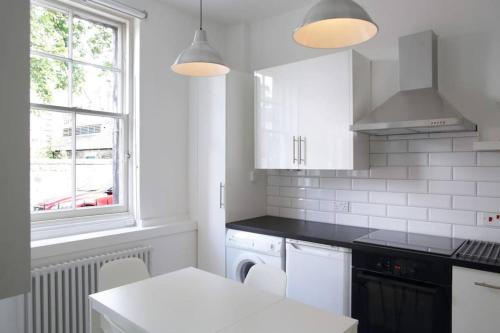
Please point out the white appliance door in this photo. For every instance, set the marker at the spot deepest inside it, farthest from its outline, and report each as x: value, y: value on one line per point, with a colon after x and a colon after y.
x: 319, y: 275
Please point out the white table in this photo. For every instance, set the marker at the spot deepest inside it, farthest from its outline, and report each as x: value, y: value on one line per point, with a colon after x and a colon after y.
x: 191, y: 300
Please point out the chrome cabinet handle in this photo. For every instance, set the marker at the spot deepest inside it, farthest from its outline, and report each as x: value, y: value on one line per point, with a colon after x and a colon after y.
x: 295, y: 159
x: 487, y: 285
x: 302, y: 159
x: 300, y: 149
x: 221, y: 201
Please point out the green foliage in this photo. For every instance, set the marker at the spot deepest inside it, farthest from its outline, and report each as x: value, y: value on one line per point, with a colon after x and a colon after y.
x: 53, y: 154
x: 50, y: 33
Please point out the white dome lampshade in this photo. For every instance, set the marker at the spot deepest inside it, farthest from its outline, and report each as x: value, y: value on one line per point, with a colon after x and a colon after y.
x: 200, y: 59
x: 334, y: 24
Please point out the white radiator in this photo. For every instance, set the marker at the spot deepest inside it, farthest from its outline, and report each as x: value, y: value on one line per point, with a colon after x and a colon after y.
x: 58, y: 302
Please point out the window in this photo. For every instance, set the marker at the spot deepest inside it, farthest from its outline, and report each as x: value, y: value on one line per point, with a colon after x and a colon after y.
x: 79, y: 125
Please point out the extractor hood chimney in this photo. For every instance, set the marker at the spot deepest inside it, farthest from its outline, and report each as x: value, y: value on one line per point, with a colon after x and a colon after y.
x: 418, y: 107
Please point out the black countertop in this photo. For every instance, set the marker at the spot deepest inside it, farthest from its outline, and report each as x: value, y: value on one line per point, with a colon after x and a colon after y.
x: 322, y: 233
x: 335, y: 235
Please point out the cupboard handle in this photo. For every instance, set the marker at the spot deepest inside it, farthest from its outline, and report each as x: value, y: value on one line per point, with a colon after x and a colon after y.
x: 294, y: 156
x: 221, y: 202
x: 487, y: 285
x: 302, y: 158
x: 299, y: 140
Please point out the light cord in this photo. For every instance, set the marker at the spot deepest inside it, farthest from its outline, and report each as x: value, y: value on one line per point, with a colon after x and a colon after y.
x: 201, y: 16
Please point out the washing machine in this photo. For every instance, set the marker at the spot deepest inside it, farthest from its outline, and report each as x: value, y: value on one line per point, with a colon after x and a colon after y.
x: 245, y: 249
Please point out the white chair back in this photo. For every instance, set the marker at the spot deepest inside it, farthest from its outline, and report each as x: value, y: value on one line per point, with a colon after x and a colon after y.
x: 267, y: 278
x: 118, y: 273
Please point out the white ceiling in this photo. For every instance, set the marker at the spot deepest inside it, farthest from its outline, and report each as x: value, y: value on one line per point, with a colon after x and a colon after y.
x: 234, y: 11
x: 449, y: 12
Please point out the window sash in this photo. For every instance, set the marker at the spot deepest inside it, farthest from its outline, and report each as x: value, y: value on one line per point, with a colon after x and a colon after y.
x: 125, y: 160
x: 123, y: 54
x: 43, y: 54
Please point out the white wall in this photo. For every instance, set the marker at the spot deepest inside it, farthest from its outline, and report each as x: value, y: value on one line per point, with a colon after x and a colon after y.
x: 469, y: 49
x: 163, y: 114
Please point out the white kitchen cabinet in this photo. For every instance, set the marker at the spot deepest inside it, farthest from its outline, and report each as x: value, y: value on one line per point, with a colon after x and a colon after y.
x: 304, y: 111
x: 475, y: 301
x: 221, y: 185
x: 276, y: 118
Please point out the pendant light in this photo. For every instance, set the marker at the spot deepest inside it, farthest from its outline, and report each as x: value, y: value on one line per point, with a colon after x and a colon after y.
x: 335, y: 24
x: 200, y: 59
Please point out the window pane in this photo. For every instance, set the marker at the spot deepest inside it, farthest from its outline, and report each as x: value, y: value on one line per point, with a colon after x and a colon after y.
x: 95, y: 88
x: 94, y: 42
x: 49, y: 31
x: 49, y: 81
x: 98, y: 161
x: 51, y: 163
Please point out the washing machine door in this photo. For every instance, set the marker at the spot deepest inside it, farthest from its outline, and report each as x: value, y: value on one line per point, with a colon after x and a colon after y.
x: 242, y: 265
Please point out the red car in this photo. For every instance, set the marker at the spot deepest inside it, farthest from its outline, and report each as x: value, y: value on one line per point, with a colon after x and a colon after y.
x: 83, y: 199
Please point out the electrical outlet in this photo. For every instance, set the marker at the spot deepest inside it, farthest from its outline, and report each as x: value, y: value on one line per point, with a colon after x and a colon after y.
x: 490, y: 219
x: 341, y: 206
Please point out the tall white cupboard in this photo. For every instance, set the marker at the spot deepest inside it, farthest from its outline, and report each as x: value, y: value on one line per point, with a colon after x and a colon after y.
x: 223, y: 186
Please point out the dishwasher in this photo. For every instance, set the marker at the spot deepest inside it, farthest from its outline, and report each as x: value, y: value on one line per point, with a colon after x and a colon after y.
x: 319, y: 275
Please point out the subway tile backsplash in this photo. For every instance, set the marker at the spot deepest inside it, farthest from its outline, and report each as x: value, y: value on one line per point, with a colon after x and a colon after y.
x: 428, y: 183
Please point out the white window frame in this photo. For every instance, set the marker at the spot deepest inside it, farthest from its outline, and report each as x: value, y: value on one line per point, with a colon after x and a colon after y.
x: 57, y: 223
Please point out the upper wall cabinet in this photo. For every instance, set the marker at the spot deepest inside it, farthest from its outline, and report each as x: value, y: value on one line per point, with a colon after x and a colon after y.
x: 304, y: 111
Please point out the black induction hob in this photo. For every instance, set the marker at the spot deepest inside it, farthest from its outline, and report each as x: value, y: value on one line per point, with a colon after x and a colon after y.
x: 409, y: 241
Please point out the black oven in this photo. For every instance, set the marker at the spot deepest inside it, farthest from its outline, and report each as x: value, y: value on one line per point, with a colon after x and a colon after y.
x: 400, y: 294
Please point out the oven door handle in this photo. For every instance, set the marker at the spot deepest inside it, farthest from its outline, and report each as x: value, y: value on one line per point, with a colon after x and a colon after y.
x: 392, y: 281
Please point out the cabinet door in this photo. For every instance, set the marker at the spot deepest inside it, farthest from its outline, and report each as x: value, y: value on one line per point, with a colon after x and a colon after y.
x: 15, y: 150
x: 208, y: 110
x: 325, y: 112
x: 476, y: 301
x: 276, y: 102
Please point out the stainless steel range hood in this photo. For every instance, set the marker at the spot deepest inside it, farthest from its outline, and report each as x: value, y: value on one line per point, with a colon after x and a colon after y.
x: 418, y: 107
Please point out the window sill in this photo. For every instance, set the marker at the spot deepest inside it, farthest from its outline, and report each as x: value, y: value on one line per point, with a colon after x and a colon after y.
x: 76, y: 243
x: 45, y: 230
